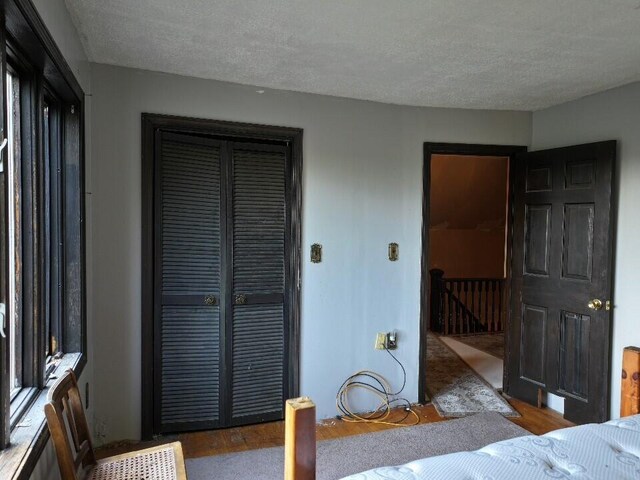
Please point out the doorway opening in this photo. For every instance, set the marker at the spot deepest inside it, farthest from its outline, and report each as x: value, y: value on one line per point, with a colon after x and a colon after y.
x: 465, y: 266
x: 467, y: 259
x: 554, y: 309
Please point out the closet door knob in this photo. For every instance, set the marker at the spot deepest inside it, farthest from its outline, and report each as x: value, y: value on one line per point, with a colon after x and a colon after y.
x: 210, y: 300
x: 241, y: 299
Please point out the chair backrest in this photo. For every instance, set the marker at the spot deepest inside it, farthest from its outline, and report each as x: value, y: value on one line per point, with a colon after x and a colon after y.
x: 68, y: 426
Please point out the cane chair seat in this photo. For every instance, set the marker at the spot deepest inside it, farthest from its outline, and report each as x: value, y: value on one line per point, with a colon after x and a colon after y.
x: 72, y: 442
x: 164, y: 462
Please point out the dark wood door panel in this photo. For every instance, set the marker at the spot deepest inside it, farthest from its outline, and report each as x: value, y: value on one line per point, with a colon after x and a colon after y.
x: 537, y: 247
x: 562, y: 252
x: 188, y: 283
x: 574, y: 343
x: 258, y: 335
x: 577, y: 241
x: 533, y: 345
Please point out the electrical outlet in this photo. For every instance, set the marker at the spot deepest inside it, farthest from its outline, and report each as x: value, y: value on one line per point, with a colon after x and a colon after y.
x: 391, y: 341
x: 386, y: 340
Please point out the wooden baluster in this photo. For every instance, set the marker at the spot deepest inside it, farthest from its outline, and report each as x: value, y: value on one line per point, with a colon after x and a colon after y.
x: 478, y: 307
x: 485, y: 289
x: 458, y: 316
x: 465, y: 310
x: 473, y: 305
x: 445, y: 313
x: 493, y: 303
x: 500, y: 287
x: 450, y: 316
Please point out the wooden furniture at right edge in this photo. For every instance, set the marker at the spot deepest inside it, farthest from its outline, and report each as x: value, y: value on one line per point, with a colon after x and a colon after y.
x: 630, y: 397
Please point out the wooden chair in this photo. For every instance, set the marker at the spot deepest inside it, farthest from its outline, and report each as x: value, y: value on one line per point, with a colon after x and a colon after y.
x: 77, y: 461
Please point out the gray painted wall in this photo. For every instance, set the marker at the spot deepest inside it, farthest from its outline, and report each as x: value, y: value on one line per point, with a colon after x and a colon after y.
x: 614, y: 114
x: 362, y: 189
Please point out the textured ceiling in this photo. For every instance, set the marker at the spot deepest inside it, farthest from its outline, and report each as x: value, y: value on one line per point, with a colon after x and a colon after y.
x: 517, y: 54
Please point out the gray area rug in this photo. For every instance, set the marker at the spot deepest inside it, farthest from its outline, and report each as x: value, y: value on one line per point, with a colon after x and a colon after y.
x: 491, y: 343
x: 349, y: 455
x: 456, y: 390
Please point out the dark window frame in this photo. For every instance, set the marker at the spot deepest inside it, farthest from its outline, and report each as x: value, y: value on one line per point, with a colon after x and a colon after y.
x: 26, y: 41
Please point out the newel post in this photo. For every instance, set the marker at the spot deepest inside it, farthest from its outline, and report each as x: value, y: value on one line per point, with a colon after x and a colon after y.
x: 437, y: 299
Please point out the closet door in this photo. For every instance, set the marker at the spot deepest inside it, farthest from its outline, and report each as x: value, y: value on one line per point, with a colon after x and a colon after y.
x: 188, y: 244
x: 257, y: 335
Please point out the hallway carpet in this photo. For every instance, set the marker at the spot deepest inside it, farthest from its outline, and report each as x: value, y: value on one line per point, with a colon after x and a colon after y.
x: 455, y: 389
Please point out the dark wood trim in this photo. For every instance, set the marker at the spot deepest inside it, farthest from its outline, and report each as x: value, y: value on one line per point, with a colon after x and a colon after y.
x: 226, y: 252
x: 148, y: 306
x: 4, y: 254
x: 452, y: 149
x: 152, y: 123
x: 23, y: 23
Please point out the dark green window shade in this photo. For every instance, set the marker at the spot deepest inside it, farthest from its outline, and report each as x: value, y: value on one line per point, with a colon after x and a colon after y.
x: 190, y: 235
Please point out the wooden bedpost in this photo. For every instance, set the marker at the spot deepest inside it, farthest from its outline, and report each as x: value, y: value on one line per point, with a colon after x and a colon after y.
x: 300, y: 439
x: 630, y: 401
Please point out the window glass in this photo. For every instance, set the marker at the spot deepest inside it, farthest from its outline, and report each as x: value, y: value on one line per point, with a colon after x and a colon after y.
x: 53, y: 221
x: 14, y: 181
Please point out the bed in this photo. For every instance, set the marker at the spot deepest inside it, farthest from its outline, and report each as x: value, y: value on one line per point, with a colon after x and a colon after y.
x: 604, y: 451
x: 597, y: 451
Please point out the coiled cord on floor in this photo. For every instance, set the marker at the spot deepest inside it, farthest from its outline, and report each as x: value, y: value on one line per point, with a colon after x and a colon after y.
x: 379, y: 386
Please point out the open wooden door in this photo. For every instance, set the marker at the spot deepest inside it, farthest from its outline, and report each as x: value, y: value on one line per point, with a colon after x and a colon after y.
x: 559, y: 331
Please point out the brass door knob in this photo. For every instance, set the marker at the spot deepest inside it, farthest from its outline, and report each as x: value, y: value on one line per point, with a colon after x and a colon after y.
x: 595, y: 304
x: 240, y: 299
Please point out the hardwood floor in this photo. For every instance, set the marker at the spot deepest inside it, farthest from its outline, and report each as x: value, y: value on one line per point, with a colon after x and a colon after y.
x: 212, y: 442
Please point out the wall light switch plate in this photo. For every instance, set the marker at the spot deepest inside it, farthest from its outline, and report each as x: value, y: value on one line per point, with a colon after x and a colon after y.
x: 316, y: 253
x: 394, y: 252
x: 381, y: 340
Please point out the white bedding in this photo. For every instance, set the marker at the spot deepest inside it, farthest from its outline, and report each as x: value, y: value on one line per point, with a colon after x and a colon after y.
x: 598, y: 451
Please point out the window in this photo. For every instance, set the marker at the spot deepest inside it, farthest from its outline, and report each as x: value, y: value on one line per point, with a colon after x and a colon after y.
x: 42, y: 309
x: 53, y: 244
x: 14, y: 182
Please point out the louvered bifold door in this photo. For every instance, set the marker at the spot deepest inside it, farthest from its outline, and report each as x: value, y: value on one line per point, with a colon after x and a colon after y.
x: 187, y: 330
x: 257, y: 336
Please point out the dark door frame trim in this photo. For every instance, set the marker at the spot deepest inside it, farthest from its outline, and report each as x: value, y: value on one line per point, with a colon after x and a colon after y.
x: 151, y: 123
x: 453, y: 149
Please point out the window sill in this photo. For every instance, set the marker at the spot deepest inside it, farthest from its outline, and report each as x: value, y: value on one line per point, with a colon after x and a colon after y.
x: 30, y: 435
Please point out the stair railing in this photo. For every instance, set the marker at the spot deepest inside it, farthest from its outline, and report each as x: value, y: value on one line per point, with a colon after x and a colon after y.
x: 462, y: 306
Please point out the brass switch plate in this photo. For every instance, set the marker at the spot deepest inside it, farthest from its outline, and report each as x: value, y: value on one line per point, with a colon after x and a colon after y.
x: 316, y: 253
x: 393, y: 252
